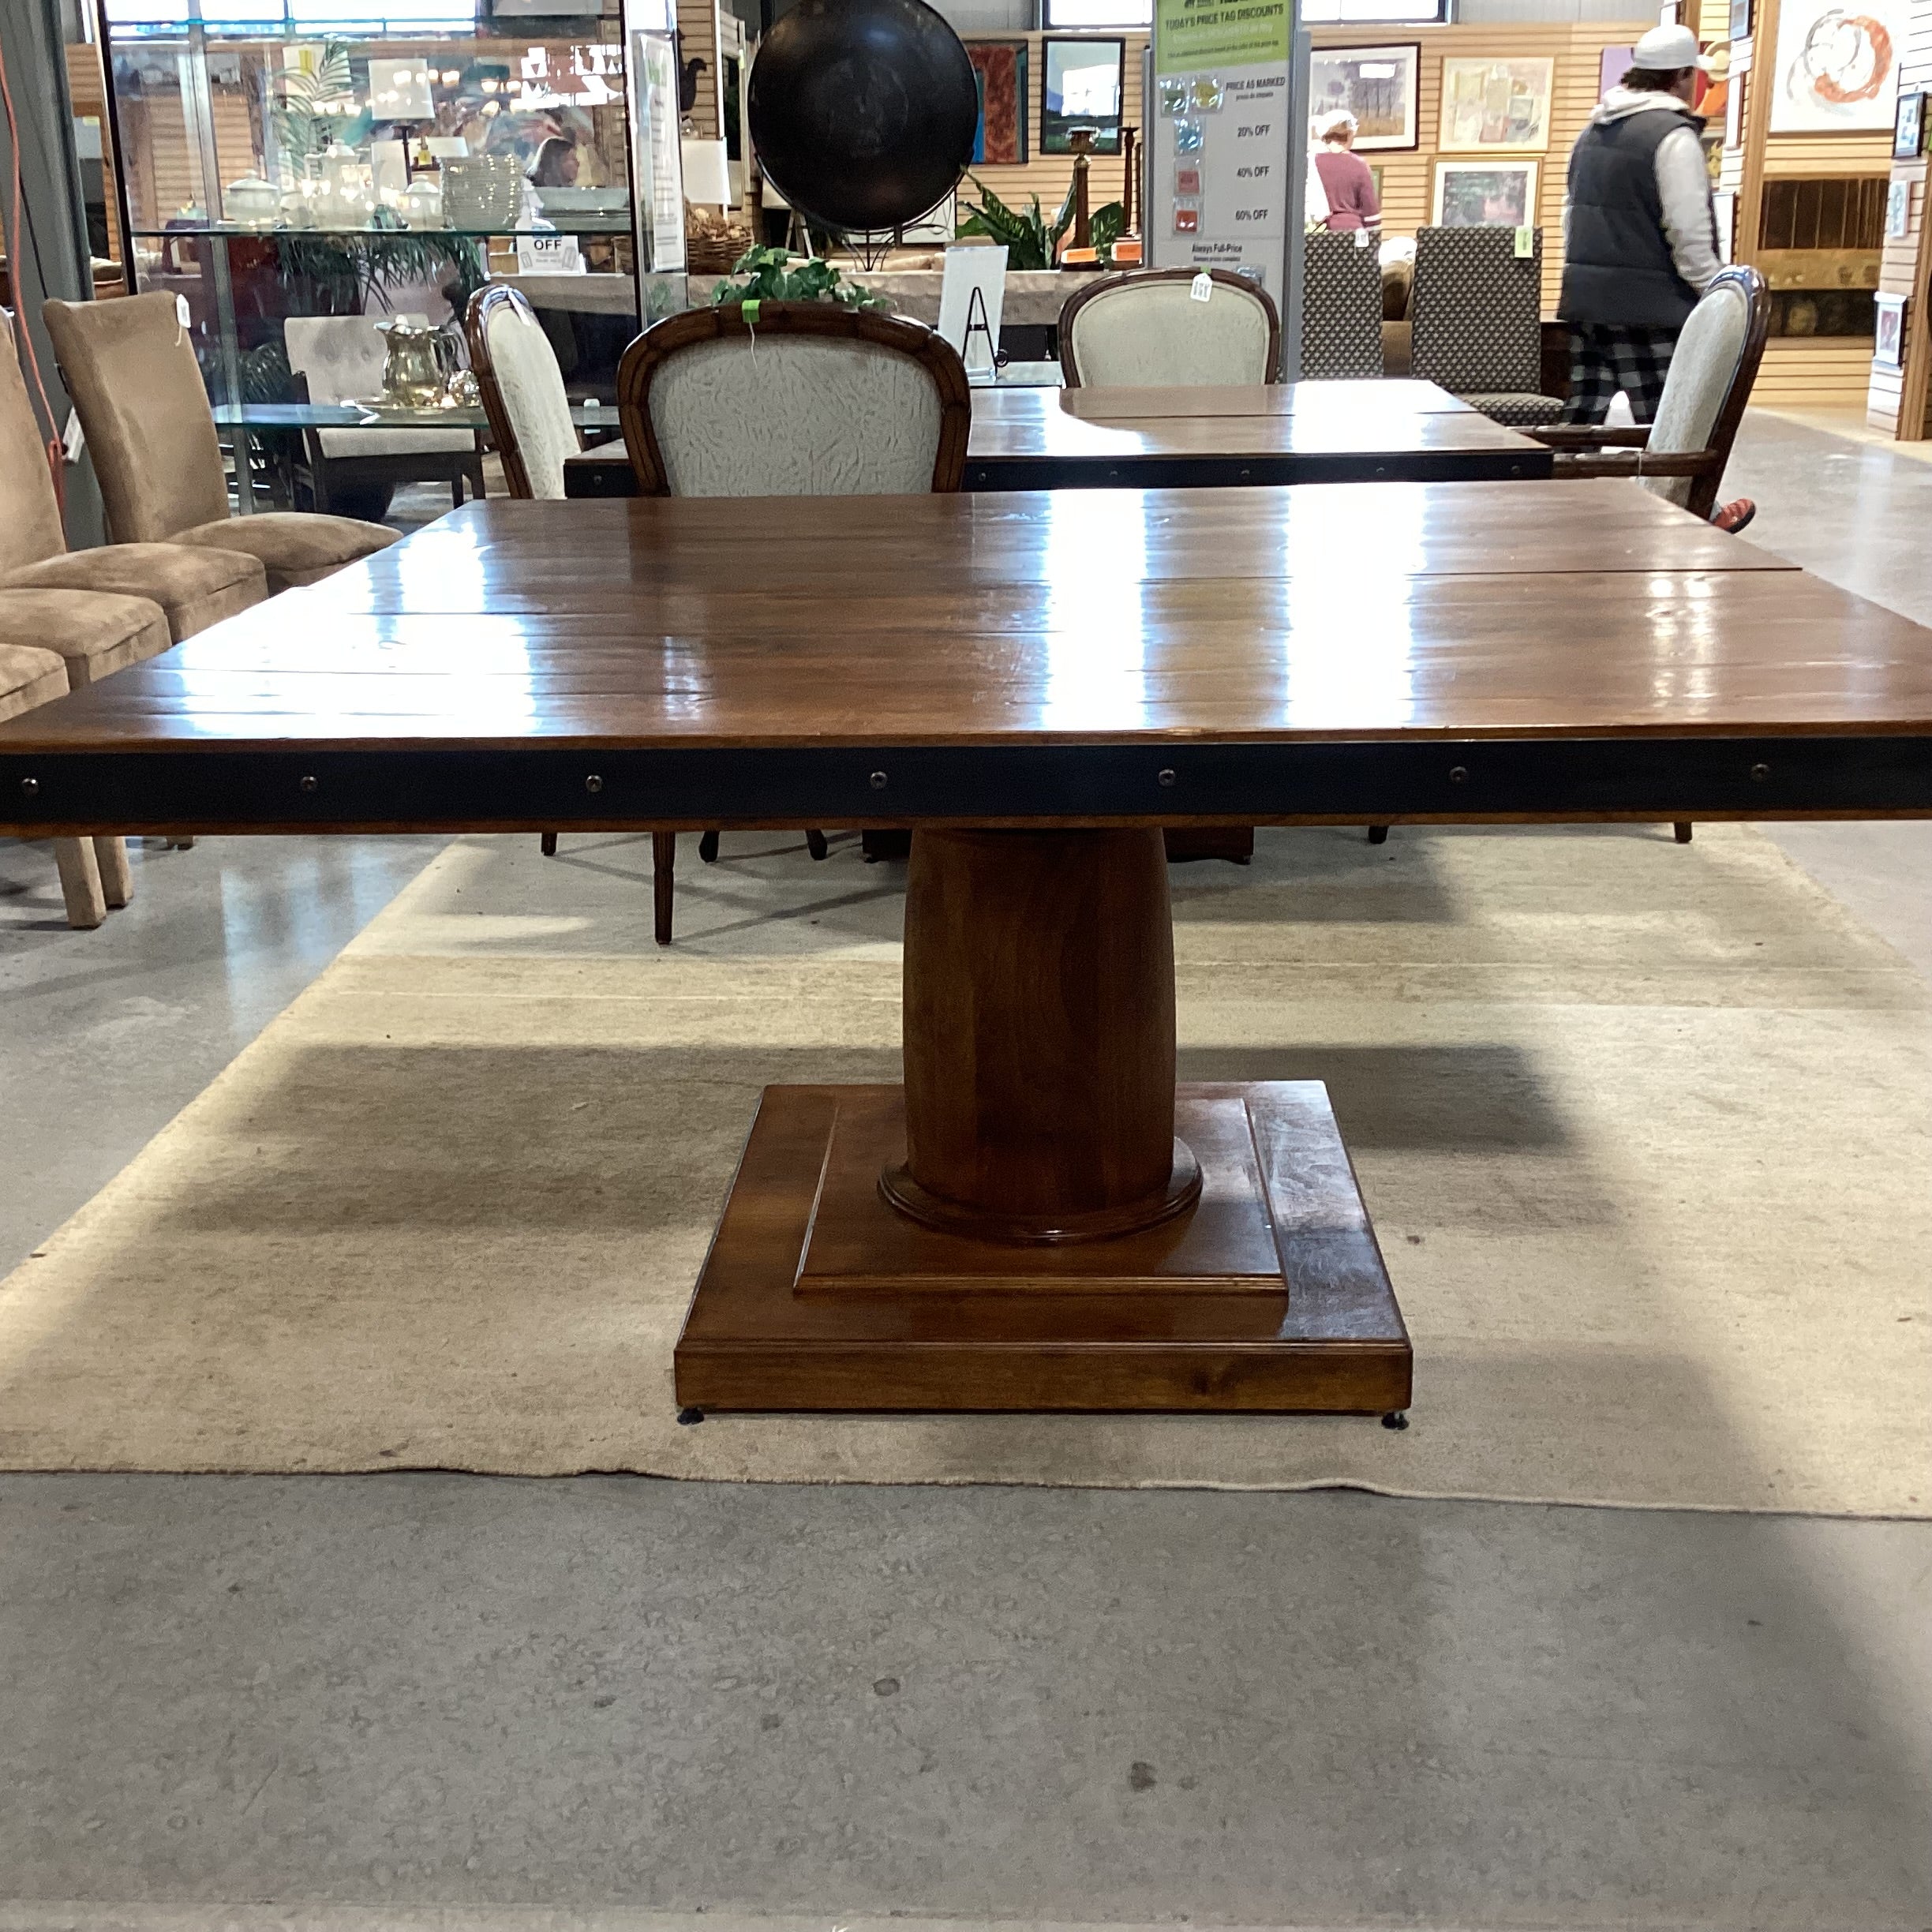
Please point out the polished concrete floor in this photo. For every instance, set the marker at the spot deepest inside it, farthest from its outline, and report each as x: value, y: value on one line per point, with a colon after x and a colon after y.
x: 419, y: 1700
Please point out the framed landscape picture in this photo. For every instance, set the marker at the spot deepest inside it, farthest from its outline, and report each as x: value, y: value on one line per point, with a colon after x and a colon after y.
x: 1495, y: 105
x: 1378, y: 85
x: 1485, y: 194
x: 1837, y: 71
x: 1909, y: 128
x: 1081, y: 89
x: 1000, y: 71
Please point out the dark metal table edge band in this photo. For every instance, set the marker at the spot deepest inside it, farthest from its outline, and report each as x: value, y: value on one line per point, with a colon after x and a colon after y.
x: 409, y: 783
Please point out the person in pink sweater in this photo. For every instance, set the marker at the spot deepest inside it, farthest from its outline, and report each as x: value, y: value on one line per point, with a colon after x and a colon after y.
x: 1345, y: 178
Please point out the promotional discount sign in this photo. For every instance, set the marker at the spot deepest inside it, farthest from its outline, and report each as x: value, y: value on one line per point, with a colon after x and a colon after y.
x: 1220, y: 175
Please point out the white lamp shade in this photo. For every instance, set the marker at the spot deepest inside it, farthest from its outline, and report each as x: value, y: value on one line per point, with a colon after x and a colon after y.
x: 707, y: 173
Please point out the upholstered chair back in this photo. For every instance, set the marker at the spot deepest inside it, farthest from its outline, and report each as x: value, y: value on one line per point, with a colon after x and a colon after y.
x: 130, y: 368
x: 1476, y: 316
x: 1150, y: 330
x: 1341, y: 305
x: 1714, y: 353
x: 30, y: 519
x: 806, y: 400
x: 523, y: 393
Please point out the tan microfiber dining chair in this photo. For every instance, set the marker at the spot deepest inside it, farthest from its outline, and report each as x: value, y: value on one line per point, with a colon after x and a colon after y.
x: 131, y: 370
x: 94, y: 873
x: 1147, y: 330
x: 194, y: 588
x: 809, y: 399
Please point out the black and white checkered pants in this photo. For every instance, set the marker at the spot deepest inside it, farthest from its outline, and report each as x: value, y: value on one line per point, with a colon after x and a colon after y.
x: 1607, y: 357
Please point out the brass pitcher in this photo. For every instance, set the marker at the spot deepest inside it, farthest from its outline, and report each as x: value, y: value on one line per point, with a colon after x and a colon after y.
x: 419, y: 361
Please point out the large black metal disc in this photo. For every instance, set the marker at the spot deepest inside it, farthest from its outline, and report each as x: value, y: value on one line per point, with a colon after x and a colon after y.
x: 863, y: 111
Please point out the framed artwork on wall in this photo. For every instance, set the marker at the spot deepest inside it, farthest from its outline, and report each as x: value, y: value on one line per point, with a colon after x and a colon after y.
x: 1082, y: 86
x: 1495, y: 105
x: 1740, y: 18
x: 1000, y: 71
x: 1483, y: 194
x: 1733, y: 109
x: 1909, y: 128
x: 1613, y: 64
x: 1898, y: 210
x: 1379, y: 85
x: 1838, y: 71
x: 1889, y: 347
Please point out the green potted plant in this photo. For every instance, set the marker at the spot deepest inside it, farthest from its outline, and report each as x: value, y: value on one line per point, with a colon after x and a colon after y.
x: 1030, y: 242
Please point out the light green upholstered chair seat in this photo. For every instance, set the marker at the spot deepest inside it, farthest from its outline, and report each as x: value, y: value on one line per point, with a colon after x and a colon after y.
x: 94, y: 633
x: 195, y: 588
x: 29, y: 676
x: 294, y: 547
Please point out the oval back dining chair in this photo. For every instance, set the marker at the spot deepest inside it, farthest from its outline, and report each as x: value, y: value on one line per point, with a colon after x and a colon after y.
x: 793, y: 400
x: 530, y: 418
x: 1150, y: 330
x: 523, y: 388
x: 800, y: 399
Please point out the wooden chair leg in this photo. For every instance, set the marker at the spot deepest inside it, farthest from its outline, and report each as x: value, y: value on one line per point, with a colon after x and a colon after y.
x: 664, y: 864
x: 815, y: 843
x: 707, y: 848
x: 1682, y: 828
x: 80, y: 881
x: 117, y: 876
x: 548, y: 840
x: 1378, y: 835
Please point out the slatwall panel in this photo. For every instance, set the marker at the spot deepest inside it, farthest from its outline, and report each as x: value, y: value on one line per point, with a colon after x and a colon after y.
x: 1814, y: 371
x: 1898, y: 273
x: 1050, y: 176
x: 1408, y: 179
x: 696, y: 21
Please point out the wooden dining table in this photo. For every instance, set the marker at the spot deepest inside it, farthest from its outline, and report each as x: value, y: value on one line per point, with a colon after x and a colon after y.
x: 1341, y: 432
x: 1037, y: 1217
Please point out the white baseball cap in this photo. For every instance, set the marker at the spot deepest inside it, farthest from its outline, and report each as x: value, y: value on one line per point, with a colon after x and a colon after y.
x: 1667, y: 50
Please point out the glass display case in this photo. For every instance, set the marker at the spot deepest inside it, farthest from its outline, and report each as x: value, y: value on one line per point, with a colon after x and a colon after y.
x: 283, y: 158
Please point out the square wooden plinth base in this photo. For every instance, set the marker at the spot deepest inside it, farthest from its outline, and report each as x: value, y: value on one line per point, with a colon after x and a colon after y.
x: 1271, y: 1295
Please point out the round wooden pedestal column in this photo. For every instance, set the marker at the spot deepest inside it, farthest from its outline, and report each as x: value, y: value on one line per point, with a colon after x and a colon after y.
x: 1039, y: 1038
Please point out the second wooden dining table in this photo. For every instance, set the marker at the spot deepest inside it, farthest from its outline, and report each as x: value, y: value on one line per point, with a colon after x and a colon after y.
x: 1025, y: 438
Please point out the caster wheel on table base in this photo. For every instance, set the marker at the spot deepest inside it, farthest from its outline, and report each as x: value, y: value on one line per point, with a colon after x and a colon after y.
x: 1395, y: 1420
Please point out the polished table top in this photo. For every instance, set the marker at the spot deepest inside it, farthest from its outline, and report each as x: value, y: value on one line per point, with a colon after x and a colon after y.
x: 1279, y: 432
x: 1071, y: 658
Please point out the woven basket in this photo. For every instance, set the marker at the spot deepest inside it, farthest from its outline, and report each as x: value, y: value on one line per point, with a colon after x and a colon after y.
x: 714, y: 254
x: 482, y: 192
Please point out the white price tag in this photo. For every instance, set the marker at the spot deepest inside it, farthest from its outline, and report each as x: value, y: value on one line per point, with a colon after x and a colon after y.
x: 1525, y: 243
x: 542, y: 254
x: 1201, y: 288
x: 181, y: 316
x: 73, y: 439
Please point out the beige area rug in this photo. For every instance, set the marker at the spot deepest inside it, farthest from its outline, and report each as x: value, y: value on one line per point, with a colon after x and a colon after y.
x: 1645, y: 1130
